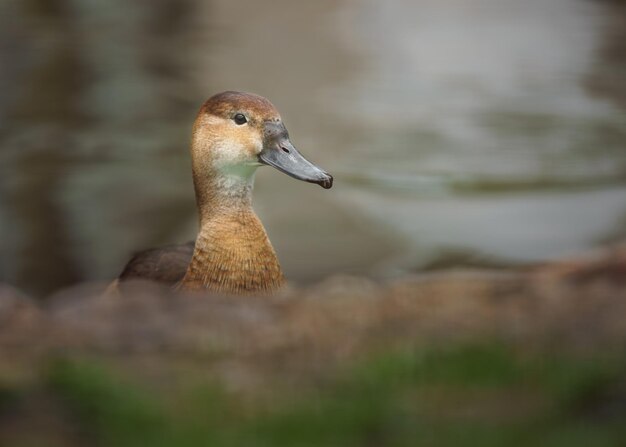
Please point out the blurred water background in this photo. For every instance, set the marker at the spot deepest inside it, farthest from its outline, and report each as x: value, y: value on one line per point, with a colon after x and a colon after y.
x: 459, y: 131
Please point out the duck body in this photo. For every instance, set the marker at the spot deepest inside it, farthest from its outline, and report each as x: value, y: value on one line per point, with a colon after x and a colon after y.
x: 166, y: 265
x: 233, y: 253
x: 234, y: 133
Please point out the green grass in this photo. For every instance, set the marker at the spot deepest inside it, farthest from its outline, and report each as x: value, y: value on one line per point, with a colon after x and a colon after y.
x: 467, y: 396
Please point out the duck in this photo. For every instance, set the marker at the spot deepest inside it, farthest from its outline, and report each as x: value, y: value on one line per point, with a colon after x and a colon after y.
x: 234, y: 134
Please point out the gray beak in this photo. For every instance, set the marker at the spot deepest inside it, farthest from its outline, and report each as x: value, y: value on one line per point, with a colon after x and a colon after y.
x: 281, y: 154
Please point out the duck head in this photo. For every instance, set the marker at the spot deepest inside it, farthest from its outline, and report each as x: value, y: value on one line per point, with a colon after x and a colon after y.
x: 235, y: 133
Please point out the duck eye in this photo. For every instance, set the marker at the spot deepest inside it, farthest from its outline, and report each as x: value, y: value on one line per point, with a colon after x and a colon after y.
x: 240, y: 119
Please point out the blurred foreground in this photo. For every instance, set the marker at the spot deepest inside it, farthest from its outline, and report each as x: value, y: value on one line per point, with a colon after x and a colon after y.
x: 473, y: 357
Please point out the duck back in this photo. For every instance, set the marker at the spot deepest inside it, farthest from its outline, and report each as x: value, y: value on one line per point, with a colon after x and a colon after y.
x: 166, y: 265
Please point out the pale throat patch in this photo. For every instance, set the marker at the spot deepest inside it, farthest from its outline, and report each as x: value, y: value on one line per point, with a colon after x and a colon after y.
x: 236, y: 179
x: 234, y: 156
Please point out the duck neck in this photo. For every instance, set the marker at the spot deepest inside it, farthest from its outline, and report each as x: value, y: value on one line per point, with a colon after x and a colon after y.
x: 232, y: 253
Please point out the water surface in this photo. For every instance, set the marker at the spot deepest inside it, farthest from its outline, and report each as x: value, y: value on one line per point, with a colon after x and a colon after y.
x: 458, y: 131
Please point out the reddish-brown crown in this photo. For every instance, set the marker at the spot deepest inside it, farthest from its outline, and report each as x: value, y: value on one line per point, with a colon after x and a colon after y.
x: 227, y: 104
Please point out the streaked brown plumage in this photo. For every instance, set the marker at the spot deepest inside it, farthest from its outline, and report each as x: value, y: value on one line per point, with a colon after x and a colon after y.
x: 233, y: 134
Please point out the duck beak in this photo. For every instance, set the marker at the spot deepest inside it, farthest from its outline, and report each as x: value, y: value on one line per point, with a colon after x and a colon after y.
x: 281, y: 154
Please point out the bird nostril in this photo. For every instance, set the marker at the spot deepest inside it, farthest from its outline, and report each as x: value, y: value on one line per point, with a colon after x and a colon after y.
x: 285, y: 149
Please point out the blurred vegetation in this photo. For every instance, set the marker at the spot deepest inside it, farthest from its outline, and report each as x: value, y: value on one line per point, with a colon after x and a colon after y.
x: 468, y: 395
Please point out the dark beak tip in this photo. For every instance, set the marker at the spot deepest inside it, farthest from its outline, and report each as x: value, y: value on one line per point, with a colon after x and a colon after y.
x: 327, y: 183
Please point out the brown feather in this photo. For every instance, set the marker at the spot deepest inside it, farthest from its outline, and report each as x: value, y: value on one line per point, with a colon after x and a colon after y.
x: 166, y: 265
x: 232, y: 253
